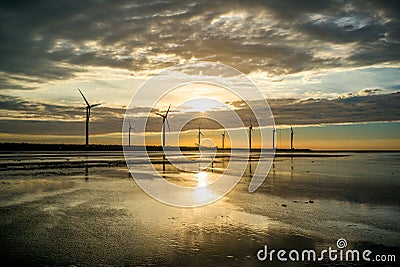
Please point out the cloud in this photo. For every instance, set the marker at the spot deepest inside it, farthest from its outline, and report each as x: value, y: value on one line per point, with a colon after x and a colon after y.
x: 20, y: 110
x: 46, y: 40
x: 364, y: 106
x: 359, y: 108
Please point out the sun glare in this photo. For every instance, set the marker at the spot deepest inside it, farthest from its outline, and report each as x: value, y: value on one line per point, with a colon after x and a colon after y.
x: 202, y: 178
x: 203, y: 105
x: 202, y: 193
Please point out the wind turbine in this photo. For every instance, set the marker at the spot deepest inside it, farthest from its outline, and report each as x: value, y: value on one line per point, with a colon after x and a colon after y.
x: 291, y: 138
x: 129, y: 136
x: 88, y: 107
x: 273, y: 138
x: 164, y: 116
x: 250, y: 131
x: 223, y: 140
x: 199, y: 136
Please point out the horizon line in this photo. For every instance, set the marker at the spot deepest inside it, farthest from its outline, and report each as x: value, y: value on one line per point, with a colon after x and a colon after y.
x: 93, y: 146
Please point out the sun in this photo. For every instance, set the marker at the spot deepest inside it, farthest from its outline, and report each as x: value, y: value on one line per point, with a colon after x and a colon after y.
x: 203, y: 105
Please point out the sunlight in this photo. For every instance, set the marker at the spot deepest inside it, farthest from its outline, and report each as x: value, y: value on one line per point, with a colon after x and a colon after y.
x: 203, y: 105
x: 202, y: 178
x: 202, y: 193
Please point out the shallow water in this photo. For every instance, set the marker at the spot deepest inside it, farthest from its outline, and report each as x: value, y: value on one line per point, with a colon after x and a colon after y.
x: 85, y: 209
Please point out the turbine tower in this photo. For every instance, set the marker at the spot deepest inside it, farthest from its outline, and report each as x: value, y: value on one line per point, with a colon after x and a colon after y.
x: 250, y: 131
x: 164, y: 116
x: 129, y: 136
x: 223, y: 140
x: 291, y: 138
x: 88, y: 107
x: 273, y: 138
x: 199, y: 136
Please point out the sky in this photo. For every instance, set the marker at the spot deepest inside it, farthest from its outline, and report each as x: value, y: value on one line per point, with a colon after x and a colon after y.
x: 329, y: 68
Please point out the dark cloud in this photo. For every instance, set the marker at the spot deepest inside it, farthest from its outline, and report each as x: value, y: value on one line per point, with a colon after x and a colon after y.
x: 368, y: 54
x: 359, y: 108
x: 50, y: 40
x: 17, y: 108
x: 365, y: 106
x: 391, y: 8
x: 329, y: 31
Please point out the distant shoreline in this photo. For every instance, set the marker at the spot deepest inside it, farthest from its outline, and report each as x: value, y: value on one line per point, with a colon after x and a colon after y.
x: 12, y: 147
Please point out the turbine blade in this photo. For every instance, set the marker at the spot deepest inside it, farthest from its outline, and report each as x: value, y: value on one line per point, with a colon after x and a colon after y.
x: 159, y: 114
x: 95, y: 105
x: 167, y: 124
x: 166, y: 114
x: 130, y: 125
x: 84, y: 98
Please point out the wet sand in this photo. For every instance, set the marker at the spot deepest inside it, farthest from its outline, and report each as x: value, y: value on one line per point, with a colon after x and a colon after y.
x: 87, y: 210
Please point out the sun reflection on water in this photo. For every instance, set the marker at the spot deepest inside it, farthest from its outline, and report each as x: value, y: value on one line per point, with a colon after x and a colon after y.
x: 202, y: 179
x: 202, y: 192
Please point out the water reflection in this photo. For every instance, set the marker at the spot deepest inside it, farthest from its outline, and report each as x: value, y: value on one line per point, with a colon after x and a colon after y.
x: 86, y: 172
x: 86, y: 169
x: 291, y: 168
x: 273, y: 169
x: 202, y: 192
x: 359, y: 201
x: 249, y: 163
x: 163, y: 164
x: 202, y: 179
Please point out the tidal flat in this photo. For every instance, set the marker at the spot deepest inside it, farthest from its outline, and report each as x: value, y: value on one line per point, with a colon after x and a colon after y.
x: 84, y: 208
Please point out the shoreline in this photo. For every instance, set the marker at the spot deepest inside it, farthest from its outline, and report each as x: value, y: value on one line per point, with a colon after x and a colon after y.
x: 38, y: 147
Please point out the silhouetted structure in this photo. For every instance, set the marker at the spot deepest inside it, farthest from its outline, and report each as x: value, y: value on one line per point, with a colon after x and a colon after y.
x: 199, y: 134
x: 273, y: 138
x: 164, y: 116
x: 291, y: 138
x: 129, y: 137
x: 88, y: 107
x: 223, y: 140
x: 250, y: 131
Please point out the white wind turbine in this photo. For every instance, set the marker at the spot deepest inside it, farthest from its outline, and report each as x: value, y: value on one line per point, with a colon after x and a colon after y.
x: 291, y: 138
x: 199, y: 134
x: 250, y: 131
x: 164, y: 116
x: 88, y: 107
x: 273, y: 137
x: 129, y: 136
x: 223, y: 140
